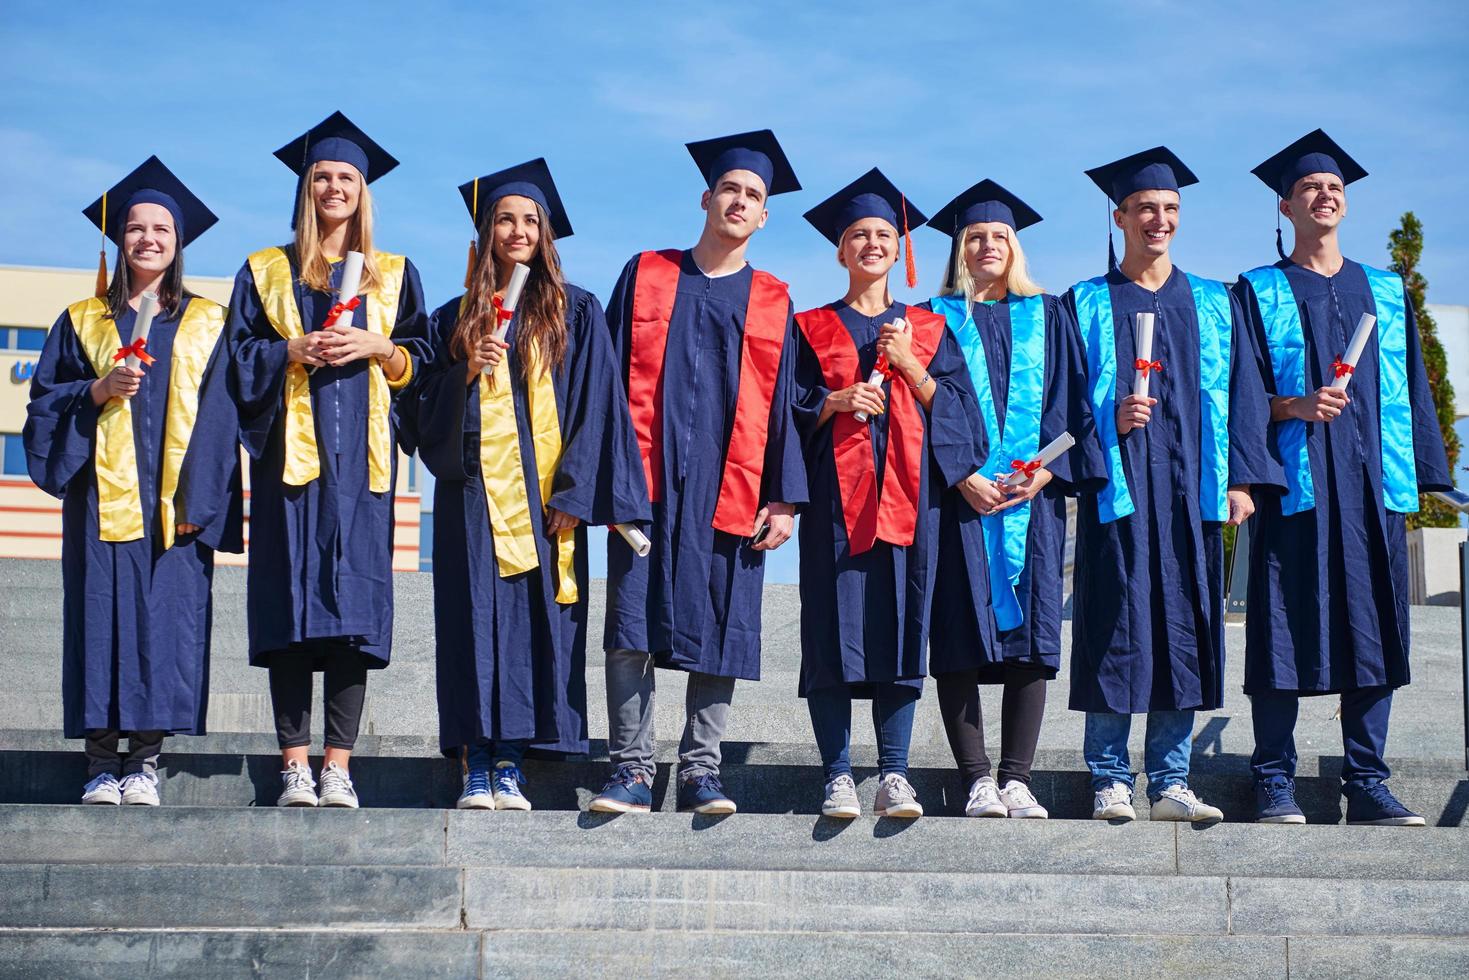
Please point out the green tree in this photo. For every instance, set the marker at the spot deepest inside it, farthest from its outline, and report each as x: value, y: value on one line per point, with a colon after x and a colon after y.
x: 1406, y: 246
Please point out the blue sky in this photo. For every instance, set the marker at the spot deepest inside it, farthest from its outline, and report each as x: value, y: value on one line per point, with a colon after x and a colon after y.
x: 937, y: 94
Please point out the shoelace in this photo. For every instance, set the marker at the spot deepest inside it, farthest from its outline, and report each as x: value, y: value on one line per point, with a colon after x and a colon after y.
x: 333, y: 780
x: 144, y: 776
x: 1383, y: 797
x: 1021, y: 794
x: 298, y: 777
x: 1279, y: 792
x: 1114, y: 794
x: 898, y: 788
x: 627, y: 775
x: 477, y: 783
x: 705, y: 781
x: 984, y: 792
x: 841, y: 785
x: 508, y: 780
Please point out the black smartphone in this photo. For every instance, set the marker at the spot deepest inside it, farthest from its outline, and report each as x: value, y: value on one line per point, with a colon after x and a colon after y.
x: 761, y: 534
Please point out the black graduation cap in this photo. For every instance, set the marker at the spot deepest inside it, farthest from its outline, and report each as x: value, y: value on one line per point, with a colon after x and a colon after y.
x: 1314, y: 153
x: 1157, y: 169
x: 870, y: 196
x: 151, y: 183
x: 985, y: 201
x: 337, y: 138
x: 531, y: 179
x: 758, y: 151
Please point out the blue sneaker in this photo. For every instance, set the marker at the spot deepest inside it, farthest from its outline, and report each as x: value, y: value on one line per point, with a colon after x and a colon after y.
x: 630, y: 790
x: 701, y: 793
x: 507, y: 788
x: 477, y: 795
x: 1371, y: 803
x: 1275, y: 801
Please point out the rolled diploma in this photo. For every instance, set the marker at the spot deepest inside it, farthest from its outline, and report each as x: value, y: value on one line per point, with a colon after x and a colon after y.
x: 351, y: 282
x: 1355, y: 348
x: 513, y: 289
x: 1049, y: 455
x: 636, y: 540
x: 147, y: 308
x: 1144, y: 352
x: 875, y: 378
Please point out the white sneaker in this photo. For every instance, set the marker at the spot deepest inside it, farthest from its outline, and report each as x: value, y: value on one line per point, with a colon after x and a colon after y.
x: 336, y: 787
x: 896, y: 798
x: 1020, y: 802
x: 1178, y: 802
x: 841, y: 799
x: 984, y: 799
x: 1113, y: 802
x: 299, y: 788
x: 140, y: 788
x: 507, y: 794
x: 103, y: 789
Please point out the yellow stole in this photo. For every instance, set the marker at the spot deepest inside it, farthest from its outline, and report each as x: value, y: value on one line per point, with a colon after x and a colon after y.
x: 274, y: 282
x: 115, y: 458
x: 512, y: 521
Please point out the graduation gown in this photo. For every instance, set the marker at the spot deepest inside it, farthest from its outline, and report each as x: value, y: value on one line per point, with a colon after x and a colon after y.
x: 1328, y: 592
x: 511, y: 659
x: 695, y: 601
x: 962, y: 616
x: 321, y: 555
x: 865, y: 616
x: 136, y: 623
x: 1148, y: 603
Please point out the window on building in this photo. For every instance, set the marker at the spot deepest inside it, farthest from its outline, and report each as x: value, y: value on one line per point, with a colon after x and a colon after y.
x: 15, y: 455
x: 22, y: 338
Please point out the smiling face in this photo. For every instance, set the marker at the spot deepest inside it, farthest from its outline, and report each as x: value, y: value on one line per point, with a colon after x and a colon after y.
x: 149, y: 239
x: 515, y: 229
x: 1317, y: 204
x: 869, y: 246
x: 1148, y: 220
x: 336, y: 190
x: 987, y: 251
x: 735, y: 206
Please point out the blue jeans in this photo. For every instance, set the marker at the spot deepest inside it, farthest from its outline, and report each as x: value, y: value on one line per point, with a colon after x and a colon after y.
x: 893, y: 708
x: 486, y: 754
x: 1166, y: 750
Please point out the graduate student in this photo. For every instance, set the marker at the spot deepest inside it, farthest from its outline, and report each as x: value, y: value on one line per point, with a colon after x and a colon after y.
x: 1328, y: 596
x: 1147, y: 624
x: 144, y: 460
x: 704, y: 343
x: 319, y: 415
x: 878, y: 458
x: 526, y: 456
x: 1001, y: 548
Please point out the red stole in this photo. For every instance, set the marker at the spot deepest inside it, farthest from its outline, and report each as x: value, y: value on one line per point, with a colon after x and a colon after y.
x: 764, y: 337
x: 894, y: 517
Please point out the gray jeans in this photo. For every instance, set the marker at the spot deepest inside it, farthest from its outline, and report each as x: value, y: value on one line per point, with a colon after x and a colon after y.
x: 630, y: 741
x: 144, y: 748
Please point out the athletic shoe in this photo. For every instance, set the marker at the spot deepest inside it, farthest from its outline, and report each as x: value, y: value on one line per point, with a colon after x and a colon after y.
x: 1113, y: 802
x: 630, y: 790
x: 140, y: 788
x: 300, y: 788
x: 1372, y: 804
x: 1178, y: 803
x: 702, y: 793
x: 841, y: 799
x: 507, y: 788
x: 336, y: 787
x: 477, y: 793
x: 103, y: 789
x: 984, y: 799
x: 1275, y: 801
x: 896, y: 798
x: 1021, y: 803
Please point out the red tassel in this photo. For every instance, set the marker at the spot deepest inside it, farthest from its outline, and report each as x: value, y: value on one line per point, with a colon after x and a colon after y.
x: 473, y: 262
x: 911, y: 264
x: 102, y: 274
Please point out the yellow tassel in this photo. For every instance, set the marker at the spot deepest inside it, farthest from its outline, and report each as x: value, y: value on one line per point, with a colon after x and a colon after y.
x: 473, y: 262
x: 102, y: 274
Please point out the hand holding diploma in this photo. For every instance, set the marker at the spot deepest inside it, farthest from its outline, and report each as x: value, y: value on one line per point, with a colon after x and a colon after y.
x: 1023, y: 470
x: 137, y: 351
x: 339, y: 342
x: 1144, y: 365
x: 1347, y: 364
x: 505, y: 307
x: 881, y: 370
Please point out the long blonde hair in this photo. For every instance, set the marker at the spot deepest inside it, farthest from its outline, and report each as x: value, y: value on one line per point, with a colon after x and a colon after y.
x: 1017, y: 277
x: 315, y: 269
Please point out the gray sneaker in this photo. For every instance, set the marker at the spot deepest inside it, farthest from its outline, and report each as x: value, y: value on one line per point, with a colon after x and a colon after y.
x: 140, y: 788
x: 984, y: 799
x: 1020, y: 802
x: 1113, y: 802
x: 336, y: 787
x: 841, y: 799
x: 1178, y: 803
x: 896, y: 798
x: 298, y: 788
x: 104, y: 789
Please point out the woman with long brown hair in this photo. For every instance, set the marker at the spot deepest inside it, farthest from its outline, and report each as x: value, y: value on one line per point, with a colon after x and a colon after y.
x: 317, y: 381
x: 531, y: 440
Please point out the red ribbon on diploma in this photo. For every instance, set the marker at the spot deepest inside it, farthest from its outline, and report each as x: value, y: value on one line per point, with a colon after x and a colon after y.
x: 1021, y: 466
x: 341, y: 308
x: 502, y: 315
x: 1147, y: 367
x: 1341, y: 370
x: 138, y: 349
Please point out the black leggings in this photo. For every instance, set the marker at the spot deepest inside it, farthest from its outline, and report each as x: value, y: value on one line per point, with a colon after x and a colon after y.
x: 1022, y: 708
x: 344, y: 678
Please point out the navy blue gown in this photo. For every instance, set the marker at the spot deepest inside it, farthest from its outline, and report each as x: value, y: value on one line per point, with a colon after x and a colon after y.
x: 1148, y: 606
x: 136, y: 624
x: 694, y: 603
x: 961, y: 611
x: 511, y: 660
x: 321, y: 555
x: 1328, y: 593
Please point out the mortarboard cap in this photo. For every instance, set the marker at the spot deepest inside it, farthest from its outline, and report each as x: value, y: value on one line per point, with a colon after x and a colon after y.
x: 1151, y: 170
x: 1314, y: 153
x: 531, y: 179
x: 985, y: 201
x: 757, y: 152
x: 337, y: 138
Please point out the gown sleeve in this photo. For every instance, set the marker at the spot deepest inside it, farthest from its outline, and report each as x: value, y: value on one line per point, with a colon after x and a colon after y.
x: 257, y: 361
x: 1252, y: 462
x: 61, y: 419
x: 619, y: 314
x: 209, y: 491
x: 784, y: 476
x: 956, y: 431
x: 1428, y: 444
x: 1082, y: 469
x: 811, y: 390
x: 412, y: 333
x: 441, y: 392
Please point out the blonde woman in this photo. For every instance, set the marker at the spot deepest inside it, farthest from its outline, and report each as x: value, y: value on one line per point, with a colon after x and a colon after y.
x: 1026, y: 363
x: 318, y: 418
